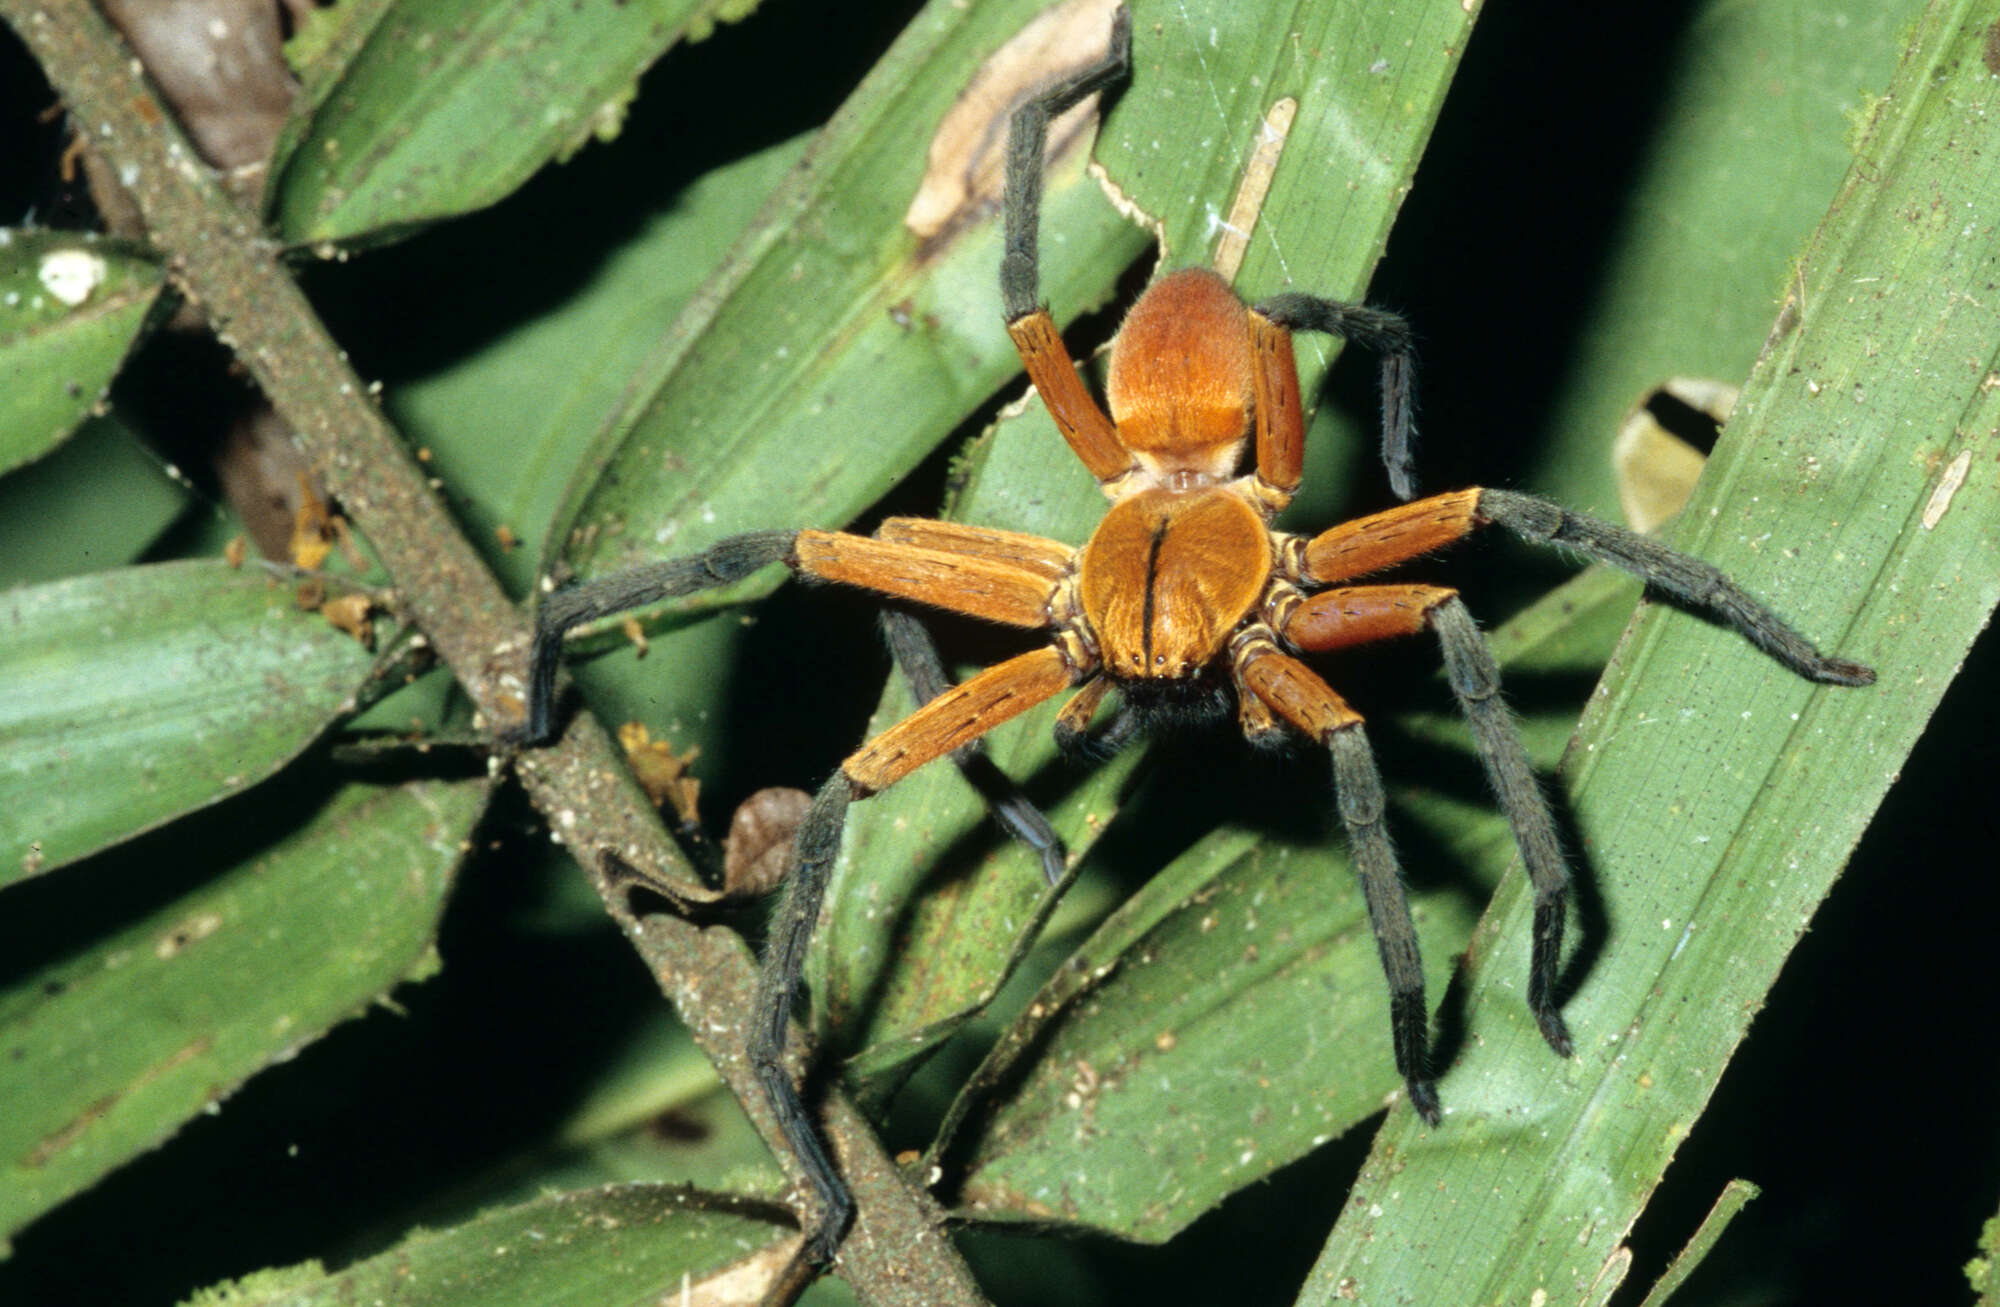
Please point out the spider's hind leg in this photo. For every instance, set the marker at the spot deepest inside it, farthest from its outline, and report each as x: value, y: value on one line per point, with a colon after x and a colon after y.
x: 1475, y: 682
x: 1351, y: 615
x: 1296, y: 693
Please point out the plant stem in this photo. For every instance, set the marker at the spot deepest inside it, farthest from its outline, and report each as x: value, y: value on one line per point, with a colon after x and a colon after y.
x: 223, y: 262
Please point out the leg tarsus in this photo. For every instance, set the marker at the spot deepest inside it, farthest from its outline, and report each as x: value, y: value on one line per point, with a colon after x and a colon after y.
x: 1542, y: 999
x: 1410, y: 1022
x: 817, y: 845
x: 721, y: 564
x: 916, y: 655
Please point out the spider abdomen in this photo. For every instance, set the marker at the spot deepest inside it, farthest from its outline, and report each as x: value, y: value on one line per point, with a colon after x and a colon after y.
x: 1166, y: 579
x: 1181, y: 384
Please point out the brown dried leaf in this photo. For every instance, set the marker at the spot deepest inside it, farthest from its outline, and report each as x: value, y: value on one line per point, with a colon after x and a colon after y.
x: 1656, y: 469
x: 964, y: 177
x: 313, y: 527
x: 636, y: 634
x: 349, y: 613
x: 661, y: 772
x: 757, y: 856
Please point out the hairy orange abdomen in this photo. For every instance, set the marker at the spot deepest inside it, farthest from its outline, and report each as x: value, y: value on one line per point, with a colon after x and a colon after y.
x: 1181, y: 373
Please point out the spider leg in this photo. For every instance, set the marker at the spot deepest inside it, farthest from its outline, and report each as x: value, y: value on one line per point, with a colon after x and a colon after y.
x: 1336, y: 619
x: 1392, y: 536
x: 1297, y: 694
x: 814, y: 850
x: 950, y: 721
x: 1681, y: 576
x: 1280, y: 417
x: 916, y: 655
x: 1002, y: 576
x: 1475, y: 681
x: 1389, y: 336
x: 1027, y: 140
x: 561, y: 612
x: 1049, y: 559
x: 1077, y: 415
x: 1369, y: 544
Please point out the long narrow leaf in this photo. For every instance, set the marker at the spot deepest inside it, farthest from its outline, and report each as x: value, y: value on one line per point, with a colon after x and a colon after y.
x: 1716, y: 795
x: 418, y: 111
x: 110, y: 1051
x: 70, y: 308
x: 135, y: 696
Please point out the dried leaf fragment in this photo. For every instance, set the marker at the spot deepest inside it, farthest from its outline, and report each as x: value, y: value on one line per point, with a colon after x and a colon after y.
x: 1655, y: 468
x: 967, y: 162
x: 661, y: 772
x: 350, y: 613
x: 757, y: 856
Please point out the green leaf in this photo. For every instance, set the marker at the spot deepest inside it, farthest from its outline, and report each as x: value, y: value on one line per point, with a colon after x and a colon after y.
x: 422, y: 109
x: 924, y: 938
x: 97, y: 501
x: 1728, y: 1203
x: 1715, y: 795
x: 111, y: 1050
x: 1753, y: 133
x: 1984, y: 1270
x: 834, y: 349
x: 71, y: 306
x: 824, y: 359
x: 550, y: 383
x: 621, y: 1245
x: 138, y: 695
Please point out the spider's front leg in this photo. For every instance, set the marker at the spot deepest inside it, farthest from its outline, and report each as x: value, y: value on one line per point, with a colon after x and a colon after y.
x: 954, y: 720
x: 1296, y: 693
x: 1390, y: 337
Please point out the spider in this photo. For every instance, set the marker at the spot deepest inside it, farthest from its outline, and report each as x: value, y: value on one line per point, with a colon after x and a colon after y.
x: 1184, y: 598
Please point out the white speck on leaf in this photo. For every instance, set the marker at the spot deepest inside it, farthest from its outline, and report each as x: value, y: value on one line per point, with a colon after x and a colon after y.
x: 71, y: 275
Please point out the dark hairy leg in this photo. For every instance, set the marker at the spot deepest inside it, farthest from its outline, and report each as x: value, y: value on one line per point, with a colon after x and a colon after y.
x: 1020, y: 277
x: 916, y: 656
x: 1357, y: 786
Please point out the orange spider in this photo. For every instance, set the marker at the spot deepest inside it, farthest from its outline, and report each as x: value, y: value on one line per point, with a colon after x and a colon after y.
x: 1184, y: 597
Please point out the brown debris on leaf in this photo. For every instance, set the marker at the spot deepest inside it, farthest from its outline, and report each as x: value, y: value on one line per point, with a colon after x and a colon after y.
x: 757, y: 856
x: 967, y: 164
x: 315, y: 528
x: 661, y: 772
x: 350, y: 613
x: 1656, y: 468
